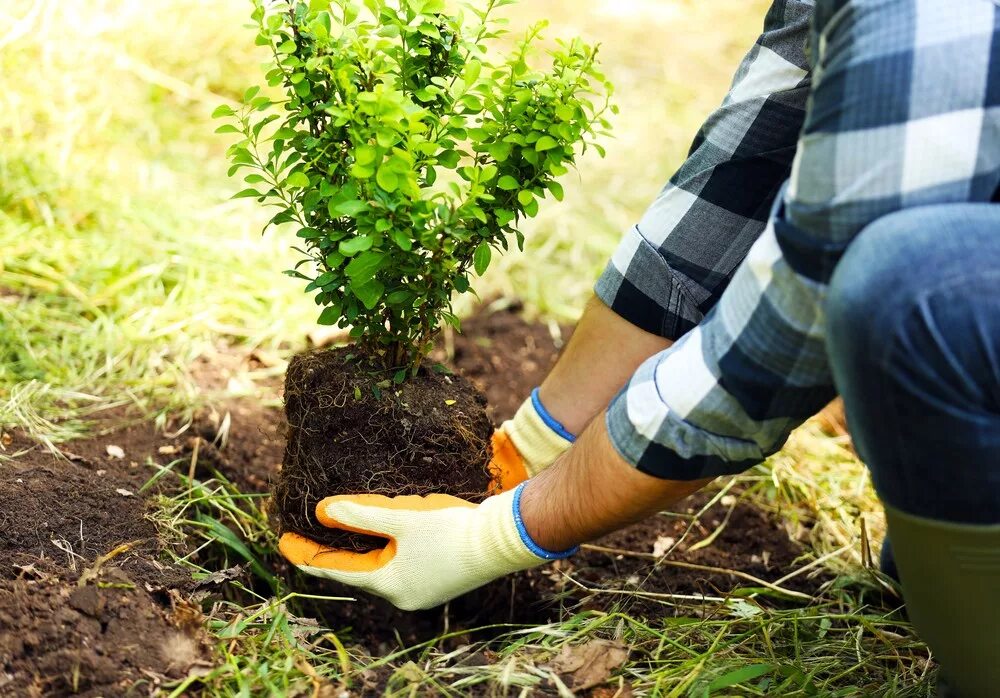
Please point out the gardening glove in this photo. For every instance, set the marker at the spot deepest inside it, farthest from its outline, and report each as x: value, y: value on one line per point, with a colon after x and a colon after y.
x: 439, y: 546
x: 527, y: 444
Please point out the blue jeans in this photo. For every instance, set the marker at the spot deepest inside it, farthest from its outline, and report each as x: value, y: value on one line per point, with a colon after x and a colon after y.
x: 914, y: 343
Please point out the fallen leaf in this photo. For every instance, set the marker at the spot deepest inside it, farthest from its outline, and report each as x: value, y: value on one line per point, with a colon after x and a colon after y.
x: 124, y: 492
x: 449, y: 402
x: 167, y: 450
x: 590, y: 664
x: 221, y: 576
x: 663, y: 545
x: 741, y: 608
x: 115, y: 451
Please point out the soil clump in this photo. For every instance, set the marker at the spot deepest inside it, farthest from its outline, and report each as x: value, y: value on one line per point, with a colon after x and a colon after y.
x: 350, y: 431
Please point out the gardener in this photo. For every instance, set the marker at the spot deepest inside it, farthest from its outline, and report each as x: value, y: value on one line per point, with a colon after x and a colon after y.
x: 830, y: 231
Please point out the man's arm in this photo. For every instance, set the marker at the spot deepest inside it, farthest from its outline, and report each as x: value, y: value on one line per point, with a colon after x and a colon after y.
x: 592, y: 491
x: 881, y: 134
x: 672, y: 267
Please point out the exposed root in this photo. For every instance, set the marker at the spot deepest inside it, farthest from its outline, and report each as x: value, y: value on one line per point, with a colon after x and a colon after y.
x: 429, y: 435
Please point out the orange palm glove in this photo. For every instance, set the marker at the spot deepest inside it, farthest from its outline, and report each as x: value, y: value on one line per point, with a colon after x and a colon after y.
x: 439, y: 546
x: 527, y: 444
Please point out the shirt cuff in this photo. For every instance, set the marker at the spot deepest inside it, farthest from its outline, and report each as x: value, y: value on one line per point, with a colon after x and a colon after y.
x: 655, y: 440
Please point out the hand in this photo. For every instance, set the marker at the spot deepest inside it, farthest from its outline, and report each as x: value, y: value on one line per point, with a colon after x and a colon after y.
x: 527, y: 444
x: 439, y: 546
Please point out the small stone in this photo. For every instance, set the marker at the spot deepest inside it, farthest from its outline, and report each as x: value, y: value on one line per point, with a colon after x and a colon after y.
x: 115, y: 451
x: 663, y: 545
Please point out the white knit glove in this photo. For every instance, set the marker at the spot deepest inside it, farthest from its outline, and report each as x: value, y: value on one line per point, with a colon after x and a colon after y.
x: 528, y: 443
x: 439, y: 546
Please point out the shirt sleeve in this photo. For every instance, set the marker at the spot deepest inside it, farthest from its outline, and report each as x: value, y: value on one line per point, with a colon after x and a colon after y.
x: 672, y: 267
x: 881, y: 134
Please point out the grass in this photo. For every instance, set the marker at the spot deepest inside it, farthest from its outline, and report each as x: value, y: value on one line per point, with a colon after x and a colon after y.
x: 833, y: 644
x: 123, y: 261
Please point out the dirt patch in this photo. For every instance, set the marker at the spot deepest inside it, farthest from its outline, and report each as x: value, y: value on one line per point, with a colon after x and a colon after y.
x: 83, y: 517
x: 350, y: 430
x: 503, y: 355
x: 106, y: 638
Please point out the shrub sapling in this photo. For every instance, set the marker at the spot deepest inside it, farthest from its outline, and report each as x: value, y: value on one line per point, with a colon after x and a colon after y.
x: 406, y: 150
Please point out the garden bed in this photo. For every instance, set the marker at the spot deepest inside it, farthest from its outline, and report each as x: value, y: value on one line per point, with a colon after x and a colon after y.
x: 88, y: 603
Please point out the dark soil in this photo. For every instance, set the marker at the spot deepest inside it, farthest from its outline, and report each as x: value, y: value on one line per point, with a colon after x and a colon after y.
x: 128, y: 626
x: 106, y: 638
x: 502, y: 355
x: 350, y: 432
x: 86, y: 605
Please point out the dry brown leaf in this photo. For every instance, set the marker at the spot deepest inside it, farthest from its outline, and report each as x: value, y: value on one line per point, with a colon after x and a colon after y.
x: 221, y: 576
x: 590, y: 664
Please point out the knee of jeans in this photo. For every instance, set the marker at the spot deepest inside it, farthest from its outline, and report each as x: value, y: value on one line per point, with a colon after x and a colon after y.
x: 877, y: 271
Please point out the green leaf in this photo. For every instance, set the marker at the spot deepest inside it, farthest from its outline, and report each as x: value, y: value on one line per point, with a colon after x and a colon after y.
x: 503, y: 216
x: 481, y: 258
x: 557, y: 190
x: 508, y: 183
x: 368, y: 293
x: 222, y: 110
x: 402, y: 240
x: 387, y: 179
x: 471, y: 73
x: 247, y: 193
x: 347, y: 208
x: 227, y: 128
x: 365, y: 266
x: 351, y: 247
x: 449, y: 158
x: 297, y: 180
x: 525, y: 197
x: 546, y: 143
x: 365, y: 155
x: 400, y: 297
x: 738, y: 676
x: 329, y: 316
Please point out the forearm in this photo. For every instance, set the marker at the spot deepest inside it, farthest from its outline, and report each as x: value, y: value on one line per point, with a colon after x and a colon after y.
x: 591, y: 491
x: 600, y: 357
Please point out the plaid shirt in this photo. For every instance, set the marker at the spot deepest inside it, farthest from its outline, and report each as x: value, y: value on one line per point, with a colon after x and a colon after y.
x: 897, y: 106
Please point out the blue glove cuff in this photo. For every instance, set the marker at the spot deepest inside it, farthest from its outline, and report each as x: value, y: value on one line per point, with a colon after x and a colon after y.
x: 550, y: 421
x: 529, y: 543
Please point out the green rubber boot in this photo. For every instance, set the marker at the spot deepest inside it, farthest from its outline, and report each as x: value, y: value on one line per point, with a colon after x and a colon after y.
x: 950, y: 575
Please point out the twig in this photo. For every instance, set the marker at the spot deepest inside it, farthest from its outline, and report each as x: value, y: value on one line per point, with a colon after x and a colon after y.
x: 645, y: 594
x: 814, y: 563
x: 701, y: 568
x: 194, y: 459
x: 92, y: 571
